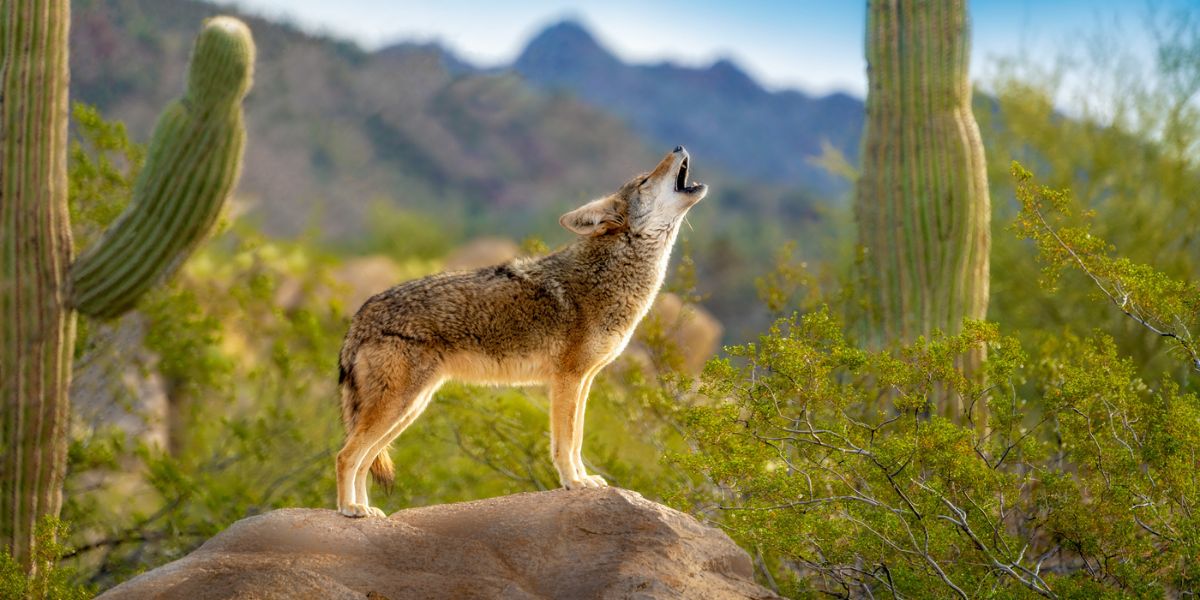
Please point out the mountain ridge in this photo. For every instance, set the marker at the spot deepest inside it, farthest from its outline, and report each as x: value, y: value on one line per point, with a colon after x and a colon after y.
x: 720, y: 111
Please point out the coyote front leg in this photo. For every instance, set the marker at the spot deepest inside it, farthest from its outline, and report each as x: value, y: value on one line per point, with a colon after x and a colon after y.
x: 577, y: 431
x: 566, y: 394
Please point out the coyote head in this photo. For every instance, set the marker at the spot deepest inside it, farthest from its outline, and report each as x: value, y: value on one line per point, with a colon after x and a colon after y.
x: 650, y: 204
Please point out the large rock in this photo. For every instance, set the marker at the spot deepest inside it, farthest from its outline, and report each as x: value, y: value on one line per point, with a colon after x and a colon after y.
x: 694, y: 331
x: 482, y: 252
x: 599, y: 543
x: 687, y: 328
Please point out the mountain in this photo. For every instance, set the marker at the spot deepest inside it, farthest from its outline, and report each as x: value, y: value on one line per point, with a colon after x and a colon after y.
x: 719, y: 112
x: 334, y: 130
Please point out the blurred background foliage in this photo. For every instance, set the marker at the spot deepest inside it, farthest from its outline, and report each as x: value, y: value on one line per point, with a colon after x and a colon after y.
x: 216, y: 399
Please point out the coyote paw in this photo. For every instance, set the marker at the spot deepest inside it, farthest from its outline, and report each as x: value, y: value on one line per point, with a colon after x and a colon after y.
x: 587, y: 481
x: 360, y: 510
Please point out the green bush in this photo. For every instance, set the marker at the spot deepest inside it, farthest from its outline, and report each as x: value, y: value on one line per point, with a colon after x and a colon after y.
x: 827, y: 464
x: 49, y: 581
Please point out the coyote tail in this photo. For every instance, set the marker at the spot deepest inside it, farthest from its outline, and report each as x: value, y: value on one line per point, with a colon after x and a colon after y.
x: 382, y: 469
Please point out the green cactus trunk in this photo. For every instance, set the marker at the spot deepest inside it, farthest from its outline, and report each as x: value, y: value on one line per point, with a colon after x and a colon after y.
x: 36, y: 328
x: 194, y: 161
x: 922, y: 200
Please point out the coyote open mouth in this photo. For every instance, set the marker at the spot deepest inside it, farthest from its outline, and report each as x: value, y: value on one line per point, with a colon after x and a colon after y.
x: 681, y: 180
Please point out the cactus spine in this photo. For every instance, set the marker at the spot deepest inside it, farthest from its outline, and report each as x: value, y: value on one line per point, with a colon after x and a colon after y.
x: 195, y: 157
x: 922, y: 202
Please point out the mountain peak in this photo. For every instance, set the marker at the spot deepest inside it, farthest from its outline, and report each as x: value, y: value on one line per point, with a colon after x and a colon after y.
x: 564, y: 45
x: 567, y: 30
x: 727, y: 74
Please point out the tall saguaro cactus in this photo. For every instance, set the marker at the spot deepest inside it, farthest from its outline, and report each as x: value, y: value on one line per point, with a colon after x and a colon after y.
x: 922, y: 199
x: 35, y: 250
x: 193, y: 163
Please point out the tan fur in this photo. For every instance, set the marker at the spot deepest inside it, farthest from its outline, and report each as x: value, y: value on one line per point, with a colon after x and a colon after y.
x: 554, y: 320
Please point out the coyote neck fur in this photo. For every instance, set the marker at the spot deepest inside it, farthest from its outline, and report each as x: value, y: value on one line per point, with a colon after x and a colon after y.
x: 618, y: 274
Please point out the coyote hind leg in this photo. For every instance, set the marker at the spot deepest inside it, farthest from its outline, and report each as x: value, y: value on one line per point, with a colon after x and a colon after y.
x: 387, y: 392
x: 406, y: 418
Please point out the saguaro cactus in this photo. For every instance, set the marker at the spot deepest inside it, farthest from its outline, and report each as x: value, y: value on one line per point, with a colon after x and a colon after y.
x: 195, y: 156
x: 922, y: 199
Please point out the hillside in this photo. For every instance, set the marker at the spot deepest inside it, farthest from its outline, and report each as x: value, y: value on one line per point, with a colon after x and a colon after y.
x: 333, y: 129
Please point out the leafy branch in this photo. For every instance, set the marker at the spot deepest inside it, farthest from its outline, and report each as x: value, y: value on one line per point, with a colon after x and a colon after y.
x: 1163, y: 305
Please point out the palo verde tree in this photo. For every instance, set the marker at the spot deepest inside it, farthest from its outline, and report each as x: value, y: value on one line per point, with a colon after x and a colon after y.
x: 193, y: 162
x: 922, y: 205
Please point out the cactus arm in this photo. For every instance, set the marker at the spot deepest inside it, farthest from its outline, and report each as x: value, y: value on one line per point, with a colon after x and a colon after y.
x: 36, y: 329
x: 192, y: 165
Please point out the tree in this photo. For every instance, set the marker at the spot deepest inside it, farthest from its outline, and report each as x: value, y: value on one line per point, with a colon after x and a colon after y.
x: 193, y: 162
x: 922, y: 205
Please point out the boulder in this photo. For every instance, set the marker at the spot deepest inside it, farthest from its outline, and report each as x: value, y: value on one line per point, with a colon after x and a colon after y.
x: 689, y: 328
x: 592, y: 543
x: 366, y: 276
x: 693, y: 330
x: 482, y: 252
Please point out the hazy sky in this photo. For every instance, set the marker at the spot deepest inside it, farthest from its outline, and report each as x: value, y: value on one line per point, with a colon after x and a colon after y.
x: 814, y: 45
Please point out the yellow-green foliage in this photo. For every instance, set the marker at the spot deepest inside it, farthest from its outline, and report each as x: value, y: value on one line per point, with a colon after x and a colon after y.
x: 827, y: 464
x: 1121, y: 130
x: 1166, y: 306
x: 49, y: 581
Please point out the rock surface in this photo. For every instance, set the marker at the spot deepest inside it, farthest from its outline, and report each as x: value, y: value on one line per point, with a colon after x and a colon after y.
x: 596, y: 543
x: 482, y: 252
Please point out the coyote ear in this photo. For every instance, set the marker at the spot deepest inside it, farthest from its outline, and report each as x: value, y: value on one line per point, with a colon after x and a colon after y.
x: 594, y: 218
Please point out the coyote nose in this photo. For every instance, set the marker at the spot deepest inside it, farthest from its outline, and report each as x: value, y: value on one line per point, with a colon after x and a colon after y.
x: 678, y: 149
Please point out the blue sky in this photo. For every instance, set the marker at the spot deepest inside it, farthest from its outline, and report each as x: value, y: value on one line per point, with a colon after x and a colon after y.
x: 813, y: 45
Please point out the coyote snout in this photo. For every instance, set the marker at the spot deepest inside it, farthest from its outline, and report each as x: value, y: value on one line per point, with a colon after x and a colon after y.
x: 555, y: 320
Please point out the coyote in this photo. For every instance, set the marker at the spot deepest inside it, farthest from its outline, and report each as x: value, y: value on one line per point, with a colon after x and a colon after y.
x: 554, y: 320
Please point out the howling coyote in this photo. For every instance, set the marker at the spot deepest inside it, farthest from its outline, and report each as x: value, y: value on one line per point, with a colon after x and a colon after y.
x: 555, y: 320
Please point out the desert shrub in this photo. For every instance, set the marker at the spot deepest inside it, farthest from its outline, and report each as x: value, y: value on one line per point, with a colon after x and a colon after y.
x: 49, y: 580
x: 1118, y: 125
x: 827, y: 465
